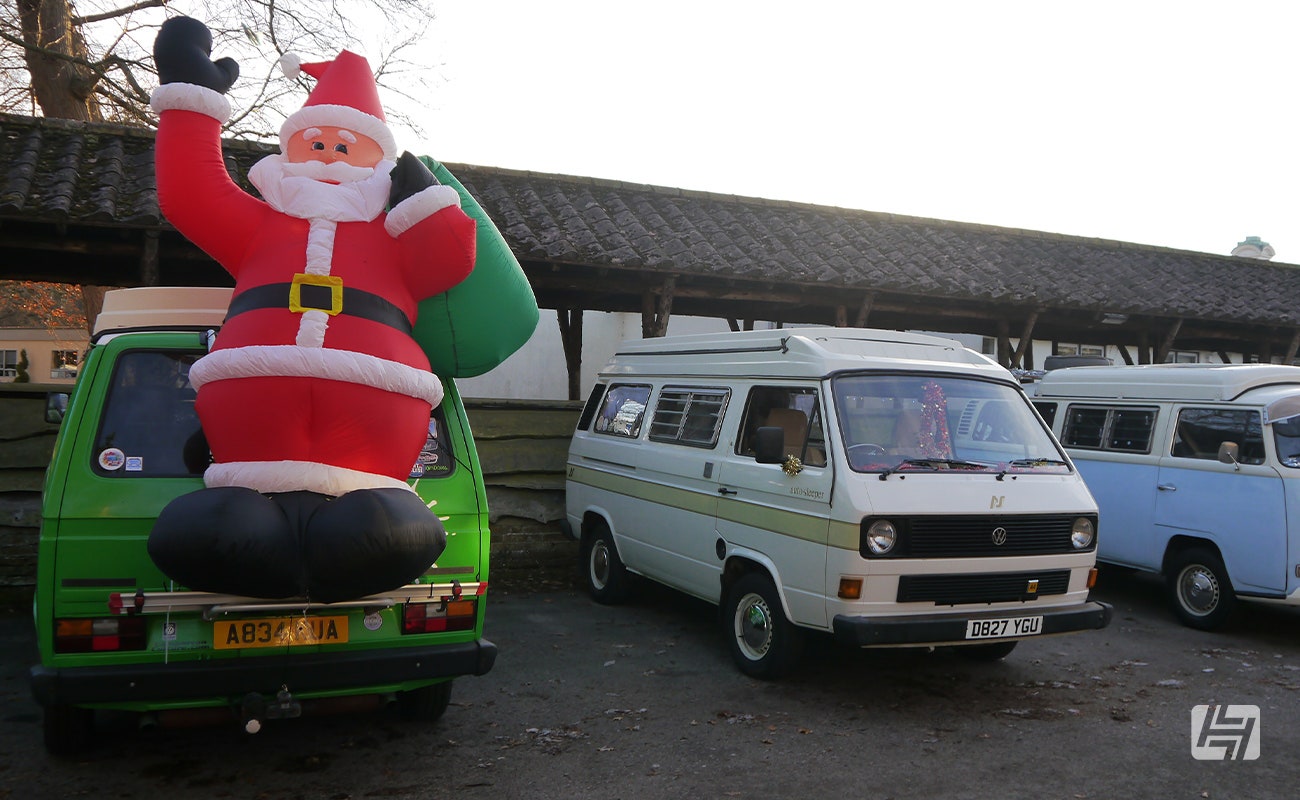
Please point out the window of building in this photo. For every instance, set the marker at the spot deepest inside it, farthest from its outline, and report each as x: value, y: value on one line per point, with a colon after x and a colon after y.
x: 1182, y: 357
x: 690, y: 416
x: 8, y: 363
x: 623, y: 409
x: 1068, y: 349
x: 1200, y: 431
x: 63, y: 363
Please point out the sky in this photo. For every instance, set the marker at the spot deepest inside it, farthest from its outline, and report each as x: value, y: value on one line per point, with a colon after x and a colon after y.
x: 1161, y: 123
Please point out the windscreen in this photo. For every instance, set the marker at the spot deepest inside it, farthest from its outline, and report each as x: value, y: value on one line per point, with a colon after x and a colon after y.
x: 911, y: 422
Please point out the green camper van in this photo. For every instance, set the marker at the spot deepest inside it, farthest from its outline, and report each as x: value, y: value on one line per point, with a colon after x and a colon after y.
x: 114, y: 633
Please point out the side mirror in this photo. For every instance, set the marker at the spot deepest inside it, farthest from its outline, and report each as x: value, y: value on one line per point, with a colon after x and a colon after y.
x: 1228, y: 452
x: 769, y: 445
x: 55, y: 404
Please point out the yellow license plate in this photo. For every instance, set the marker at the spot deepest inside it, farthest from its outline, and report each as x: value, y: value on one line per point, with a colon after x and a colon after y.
x: 238, y: 634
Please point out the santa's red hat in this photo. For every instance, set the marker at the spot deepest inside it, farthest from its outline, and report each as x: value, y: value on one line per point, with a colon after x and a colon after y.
x: 345, y: 96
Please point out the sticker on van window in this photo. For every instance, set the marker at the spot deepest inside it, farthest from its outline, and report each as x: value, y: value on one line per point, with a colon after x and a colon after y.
x: 134, y: 464
x: 112, y: 458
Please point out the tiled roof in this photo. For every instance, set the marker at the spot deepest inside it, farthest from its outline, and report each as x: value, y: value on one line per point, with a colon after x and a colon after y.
x: 587, y: 242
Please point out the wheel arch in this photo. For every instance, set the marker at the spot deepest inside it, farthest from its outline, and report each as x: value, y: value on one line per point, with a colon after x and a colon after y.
x: 1180, y: 542
x: 741, y: 562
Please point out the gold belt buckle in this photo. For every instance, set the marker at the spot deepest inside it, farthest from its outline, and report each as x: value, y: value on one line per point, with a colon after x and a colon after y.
x: 334, y: 284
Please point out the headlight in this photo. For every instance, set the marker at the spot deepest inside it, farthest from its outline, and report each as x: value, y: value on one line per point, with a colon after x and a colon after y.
x: 1082, y: 533
x: 881, y: 537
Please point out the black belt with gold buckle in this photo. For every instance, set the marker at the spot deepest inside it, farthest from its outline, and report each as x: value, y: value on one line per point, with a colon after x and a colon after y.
x: 355, y: 303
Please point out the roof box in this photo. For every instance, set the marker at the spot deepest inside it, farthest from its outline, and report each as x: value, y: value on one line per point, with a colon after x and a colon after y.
x: 162, y: 308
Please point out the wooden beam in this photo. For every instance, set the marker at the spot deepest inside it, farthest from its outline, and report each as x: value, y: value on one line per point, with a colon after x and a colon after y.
x: 149, y: 259
x: 1123, y: 353
x: 1018, y: 357
x: 654, y: 316
x: 570, y: 320
x: 1004, y: 342
x: 841, y: 316
x: 1292, y: 347
x: 1167, y: 343
x: 864, y: 310
x: 1223, y: 356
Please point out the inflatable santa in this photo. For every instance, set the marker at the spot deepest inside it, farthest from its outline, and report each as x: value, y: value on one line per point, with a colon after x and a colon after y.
x: 315, y: 398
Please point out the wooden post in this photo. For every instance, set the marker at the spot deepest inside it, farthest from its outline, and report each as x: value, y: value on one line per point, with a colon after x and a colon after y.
x: 1023, y: 344
x: 1124, y: 354
x: 149, y: 260
x: 1144, y: 347
x: 841, y: 316
x: 1004, y: 343
x: 654, y: 319
x: 1223, y: 356
x: 1167, y: 343
x: 1292, y: 347
x: 864, y: 310
x: 570, y: 320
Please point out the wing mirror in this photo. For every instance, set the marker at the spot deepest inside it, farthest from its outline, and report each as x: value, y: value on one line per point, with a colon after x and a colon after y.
x: 1228, y: 453
x: 769, y: 445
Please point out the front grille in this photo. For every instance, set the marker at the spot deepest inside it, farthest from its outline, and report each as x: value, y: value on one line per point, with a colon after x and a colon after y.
x: 1001, y: 587
x: 973, y: 536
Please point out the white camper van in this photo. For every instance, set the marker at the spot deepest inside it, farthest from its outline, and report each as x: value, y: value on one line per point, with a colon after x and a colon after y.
x: 1196, y: 468
x: 894, y: 489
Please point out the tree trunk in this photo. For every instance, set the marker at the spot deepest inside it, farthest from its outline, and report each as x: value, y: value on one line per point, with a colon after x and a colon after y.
x: 63, y: 88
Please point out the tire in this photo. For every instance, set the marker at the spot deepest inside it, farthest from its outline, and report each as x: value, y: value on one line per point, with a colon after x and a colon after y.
x: 994, y: 651
x: 607, y: 578
x: 1200, y: 589
x: 426, y: 704
x: 763, y: 642
x: 68, y: 729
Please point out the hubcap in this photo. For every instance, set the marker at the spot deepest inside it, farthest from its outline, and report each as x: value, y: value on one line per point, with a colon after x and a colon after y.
x: 1198, y: 590
x: 599, y: 564
x: 754, y: 626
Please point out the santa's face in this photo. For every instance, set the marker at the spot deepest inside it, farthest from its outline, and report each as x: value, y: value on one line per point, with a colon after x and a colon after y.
x: 332, y: 154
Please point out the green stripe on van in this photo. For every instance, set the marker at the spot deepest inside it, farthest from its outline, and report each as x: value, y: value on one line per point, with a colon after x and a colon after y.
x: 808, y: 527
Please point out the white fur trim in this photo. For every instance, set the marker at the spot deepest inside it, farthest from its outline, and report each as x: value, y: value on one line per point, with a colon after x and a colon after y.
x: 270, y: 477
x: 419, y: 206
x: 353, y: 119
x: 320, y: 246
x: 291, y: 65
x: 311, y: 329
x: 290, y: 361
x: 190, y: 97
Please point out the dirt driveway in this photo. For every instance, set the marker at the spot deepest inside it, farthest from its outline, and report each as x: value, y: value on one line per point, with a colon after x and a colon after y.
x: 642, y: 701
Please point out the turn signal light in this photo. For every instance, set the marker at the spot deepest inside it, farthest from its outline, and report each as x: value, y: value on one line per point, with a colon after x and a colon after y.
x: 455, y: 615
x: 851, y: 588
x: 1092, y: 577
x: 99, y: 634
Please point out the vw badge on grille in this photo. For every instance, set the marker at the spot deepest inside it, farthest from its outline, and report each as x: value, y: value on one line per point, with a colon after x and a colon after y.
x: 999, y: 536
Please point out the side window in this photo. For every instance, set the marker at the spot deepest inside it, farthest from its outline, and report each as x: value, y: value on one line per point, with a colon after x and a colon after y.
x: 796, y: 411
x: 436, y: 459
x: 1200, y: 431
x: 592, y: 406
x: 1084, y: 427
x: 1120, y: 430
x: 623, y: 410
x: 1047, y: 411
x: 148, y: 427
x: 689, y: 416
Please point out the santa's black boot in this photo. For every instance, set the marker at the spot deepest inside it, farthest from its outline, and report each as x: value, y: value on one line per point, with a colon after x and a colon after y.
x: 369, y: 541
x: 229, y: 540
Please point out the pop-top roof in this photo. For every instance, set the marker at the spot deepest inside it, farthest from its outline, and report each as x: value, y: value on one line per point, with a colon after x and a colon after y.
x: 1196, y: 382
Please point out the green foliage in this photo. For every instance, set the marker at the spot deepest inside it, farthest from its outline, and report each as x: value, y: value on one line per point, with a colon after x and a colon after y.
x: 23, y: 363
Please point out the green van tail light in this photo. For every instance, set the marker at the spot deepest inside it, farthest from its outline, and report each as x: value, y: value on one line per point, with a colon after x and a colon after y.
x: 453, y: 615
x: 99, y: 634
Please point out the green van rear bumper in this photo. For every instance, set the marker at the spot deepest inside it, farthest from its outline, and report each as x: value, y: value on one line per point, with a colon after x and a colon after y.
x: 313, y: 672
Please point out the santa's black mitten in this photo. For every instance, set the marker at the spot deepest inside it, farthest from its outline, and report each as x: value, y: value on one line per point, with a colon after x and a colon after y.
x: 182, y: 53
x: 409, y: 177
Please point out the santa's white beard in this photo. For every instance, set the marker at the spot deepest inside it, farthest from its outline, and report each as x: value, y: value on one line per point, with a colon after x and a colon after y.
x: 360, y: 199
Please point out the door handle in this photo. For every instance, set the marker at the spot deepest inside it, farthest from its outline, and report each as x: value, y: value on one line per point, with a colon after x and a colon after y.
x: 725, y: 490
x: 1166, y: 487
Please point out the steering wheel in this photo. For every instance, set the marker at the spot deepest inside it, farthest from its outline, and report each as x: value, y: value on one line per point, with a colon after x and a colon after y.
x: 866, y: 449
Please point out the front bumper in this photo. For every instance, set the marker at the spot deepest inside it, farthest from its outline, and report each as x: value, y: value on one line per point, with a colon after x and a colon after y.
x: 934, y: 629
x: 312, y: 672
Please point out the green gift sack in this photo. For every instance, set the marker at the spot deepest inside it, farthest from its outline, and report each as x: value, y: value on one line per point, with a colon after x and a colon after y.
x: 477, y: 324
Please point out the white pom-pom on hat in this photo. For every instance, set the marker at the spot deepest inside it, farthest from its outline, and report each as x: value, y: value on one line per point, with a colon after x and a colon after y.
x: 291, y: 65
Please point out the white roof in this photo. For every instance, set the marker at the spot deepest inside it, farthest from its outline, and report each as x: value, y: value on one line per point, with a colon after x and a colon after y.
x: 810, y: 352
x: 1195, y: 382
x: 163, y: 308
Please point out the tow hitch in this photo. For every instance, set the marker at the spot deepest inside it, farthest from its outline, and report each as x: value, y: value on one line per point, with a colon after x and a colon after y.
x: 256, y: 708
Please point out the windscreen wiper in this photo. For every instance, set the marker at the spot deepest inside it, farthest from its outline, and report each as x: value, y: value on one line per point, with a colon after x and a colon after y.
x: 934, y: 464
